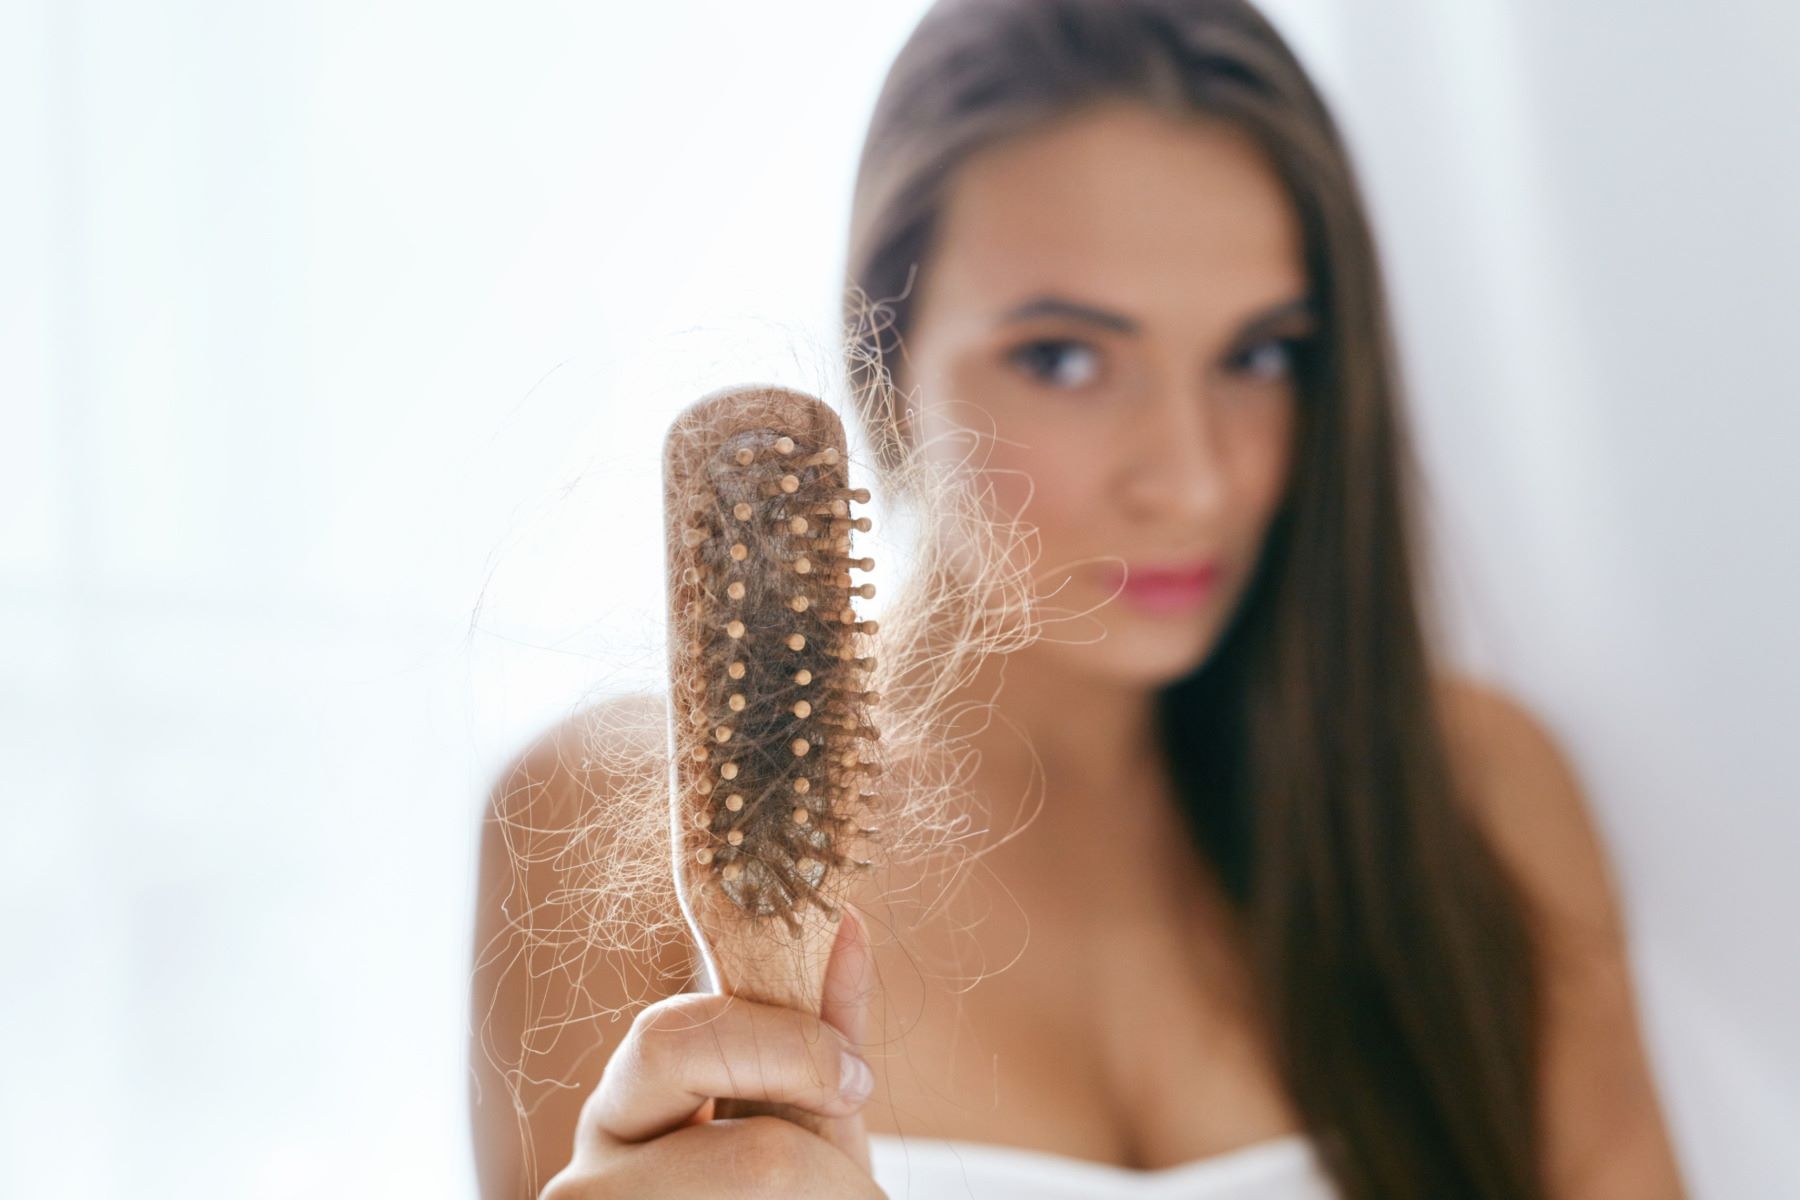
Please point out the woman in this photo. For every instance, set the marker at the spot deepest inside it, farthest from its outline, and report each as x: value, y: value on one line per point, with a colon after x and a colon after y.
x: 1308, y: 916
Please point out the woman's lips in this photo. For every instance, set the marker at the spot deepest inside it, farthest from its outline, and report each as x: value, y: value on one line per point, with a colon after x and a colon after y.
x: 1165, y: 589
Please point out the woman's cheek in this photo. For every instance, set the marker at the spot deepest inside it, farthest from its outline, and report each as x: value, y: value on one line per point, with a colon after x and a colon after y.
x: 1275, y: 453
x: 1039, y: 477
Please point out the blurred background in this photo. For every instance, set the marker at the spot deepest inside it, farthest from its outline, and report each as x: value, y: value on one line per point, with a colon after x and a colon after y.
x: 336, y: 345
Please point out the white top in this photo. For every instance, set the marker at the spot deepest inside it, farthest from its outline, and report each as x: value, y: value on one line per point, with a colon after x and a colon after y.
x: 921, y: 1168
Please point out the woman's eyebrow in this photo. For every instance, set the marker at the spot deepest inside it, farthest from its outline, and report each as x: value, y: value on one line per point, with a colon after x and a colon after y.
x: 1270, y: 318
x: 1062, y: 306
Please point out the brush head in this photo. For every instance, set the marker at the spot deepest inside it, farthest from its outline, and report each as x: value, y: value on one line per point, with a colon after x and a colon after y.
x: 771, y: 731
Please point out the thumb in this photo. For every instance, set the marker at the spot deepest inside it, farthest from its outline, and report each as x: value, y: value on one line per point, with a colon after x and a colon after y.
x: 849, y: 989
x: 849, y: 979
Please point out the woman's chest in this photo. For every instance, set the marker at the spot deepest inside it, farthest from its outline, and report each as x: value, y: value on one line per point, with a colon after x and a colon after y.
x: 1133, y: 1045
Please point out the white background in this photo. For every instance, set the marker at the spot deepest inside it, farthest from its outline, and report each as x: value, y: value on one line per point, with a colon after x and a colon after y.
x: 336, y: 342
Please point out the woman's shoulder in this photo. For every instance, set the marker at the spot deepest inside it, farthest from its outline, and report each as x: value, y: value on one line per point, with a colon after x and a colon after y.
x: 1601, y: 1114
x: 1527, y: 795
x: 545, y: 1003
x: 594, y: 746
x: 545, y: 828
x: 1480, y: 707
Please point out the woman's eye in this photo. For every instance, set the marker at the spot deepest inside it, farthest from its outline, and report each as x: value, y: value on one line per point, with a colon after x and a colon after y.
x: 1271, y: 358
x: 1061, y: 361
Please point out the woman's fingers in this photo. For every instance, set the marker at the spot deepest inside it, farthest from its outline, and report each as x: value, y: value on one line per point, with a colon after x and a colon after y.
x: 686, y: 1049
x: 850, y: 979
x: 744, y: 1158
x: 849, y: 986
x: 646, y: 1131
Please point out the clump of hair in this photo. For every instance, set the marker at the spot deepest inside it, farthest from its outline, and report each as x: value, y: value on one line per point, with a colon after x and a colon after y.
x: 771, y: 727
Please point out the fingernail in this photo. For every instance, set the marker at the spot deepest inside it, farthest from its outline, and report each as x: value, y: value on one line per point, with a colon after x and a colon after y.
x: 856, y: 1080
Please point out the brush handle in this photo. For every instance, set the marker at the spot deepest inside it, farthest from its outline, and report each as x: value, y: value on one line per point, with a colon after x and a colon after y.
x: 793, y: 989
x: 747, y: 963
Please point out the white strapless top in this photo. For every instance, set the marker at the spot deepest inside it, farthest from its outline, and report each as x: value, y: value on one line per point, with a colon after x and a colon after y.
x: 922, y: 1168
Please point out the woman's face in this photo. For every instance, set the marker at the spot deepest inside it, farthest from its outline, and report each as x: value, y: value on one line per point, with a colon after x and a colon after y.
x: 1113, y: 299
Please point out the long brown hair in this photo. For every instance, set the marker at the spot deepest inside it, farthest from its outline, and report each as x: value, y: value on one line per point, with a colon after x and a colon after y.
x: 1392, y: 952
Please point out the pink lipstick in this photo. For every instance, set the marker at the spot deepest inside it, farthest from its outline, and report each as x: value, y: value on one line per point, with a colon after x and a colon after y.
x: 1165, y: 589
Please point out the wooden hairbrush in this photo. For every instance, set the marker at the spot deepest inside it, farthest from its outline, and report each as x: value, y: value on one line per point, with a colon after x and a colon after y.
x: 770, y: 733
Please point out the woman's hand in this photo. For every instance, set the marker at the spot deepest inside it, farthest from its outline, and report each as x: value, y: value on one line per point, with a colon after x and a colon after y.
x: 647, y: 1129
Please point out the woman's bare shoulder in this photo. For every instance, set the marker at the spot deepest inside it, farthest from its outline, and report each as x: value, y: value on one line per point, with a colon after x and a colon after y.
x: 547, y: 1003
x: 586, y: 750
x: 1528, y: 796
x: 541, y: 831
x: 1605, y: 1132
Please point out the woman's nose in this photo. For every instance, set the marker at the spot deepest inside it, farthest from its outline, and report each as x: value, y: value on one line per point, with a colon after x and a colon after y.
x: 1175, y: 465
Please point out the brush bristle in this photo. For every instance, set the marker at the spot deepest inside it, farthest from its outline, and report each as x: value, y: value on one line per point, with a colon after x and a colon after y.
x: 770, y: 664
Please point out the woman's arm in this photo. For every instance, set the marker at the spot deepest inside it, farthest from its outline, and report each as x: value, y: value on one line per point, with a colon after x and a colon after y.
x: 1605, y: 1137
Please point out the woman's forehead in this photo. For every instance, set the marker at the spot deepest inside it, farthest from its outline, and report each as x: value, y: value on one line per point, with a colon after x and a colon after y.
x: 1121, y: 205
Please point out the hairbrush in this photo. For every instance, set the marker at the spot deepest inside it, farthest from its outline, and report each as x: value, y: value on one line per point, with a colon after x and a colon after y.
x: 771, y: 736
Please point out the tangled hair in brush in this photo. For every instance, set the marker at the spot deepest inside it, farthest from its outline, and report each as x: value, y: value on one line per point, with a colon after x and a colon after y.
x: 770, y: 726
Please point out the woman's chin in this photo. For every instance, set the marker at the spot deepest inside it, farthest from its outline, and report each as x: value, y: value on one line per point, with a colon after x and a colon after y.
x: 1133, y: 653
